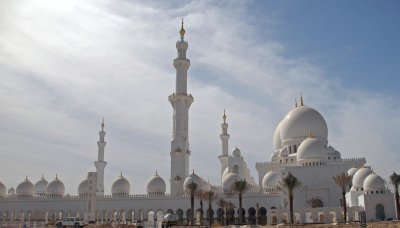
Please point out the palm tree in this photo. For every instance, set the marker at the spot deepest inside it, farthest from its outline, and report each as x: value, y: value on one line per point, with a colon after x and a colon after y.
x: 200, y: 196
x: 240, y: 187
x: 395, y: 180
x: 343, y: 180
x: 222, y: 204
x: 192, y: 187
x: 290, y: 183
x: 210, y: 196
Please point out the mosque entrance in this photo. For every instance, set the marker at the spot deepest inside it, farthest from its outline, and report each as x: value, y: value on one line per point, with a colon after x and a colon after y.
x: 380, y: 212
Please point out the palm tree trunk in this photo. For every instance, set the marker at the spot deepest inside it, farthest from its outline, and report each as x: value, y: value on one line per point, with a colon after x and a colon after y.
x: 209, y: 211
x: 240, y: 208
x: 291, y: 208
x: 344, y: 206
x: 201, y: 211
x: 192, y: 208
x: 396, y: 195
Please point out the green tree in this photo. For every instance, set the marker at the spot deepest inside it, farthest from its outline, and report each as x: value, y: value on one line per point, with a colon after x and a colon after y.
x: 343, y: 180
x: 210, y: 196
x: 191, y: 188
x: 290, y: 183
x: 240, y: 187
x: 395, y: 180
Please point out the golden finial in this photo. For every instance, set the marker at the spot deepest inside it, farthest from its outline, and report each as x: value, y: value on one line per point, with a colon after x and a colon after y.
x: 354, y: 165
x: 224, y: 116
x: 120, y: 174
x: 156, y: 173
x: 310, y: 134
x: 372, y: 171
x: 193, y: 171
x: 102, y: 125
x: 301, y: 100
x: 182, y: 31
x: 295, y: 103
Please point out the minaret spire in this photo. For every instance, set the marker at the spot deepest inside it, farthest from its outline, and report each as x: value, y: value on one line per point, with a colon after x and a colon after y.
x: 223, y: 158
x: 180, y: 101
x: 100, y: 163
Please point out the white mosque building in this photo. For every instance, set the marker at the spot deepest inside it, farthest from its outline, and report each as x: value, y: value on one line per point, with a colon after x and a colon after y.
x: 300, y: 147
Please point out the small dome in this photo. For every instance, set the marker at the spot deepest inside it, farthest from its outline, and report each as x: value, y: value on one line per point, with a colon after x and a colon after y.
x: 236, y: 152
x: 40, y: 187
x: 277, y: 137
x: 226, y: 171
x: 25, y: 189
x: 229, y: 180
x: 55, y: 188
x: 3, y: 190
x: 83, y: 187
x: 359, y: 177
x: 156, y: 185
x: 352, y: 171
x: 299, y: 121
x: 195, y: 179
x: 271, y: 179
x: 120, y: 187
x: 11, y: 191
x: 374, y: 183
x: 312, y: 149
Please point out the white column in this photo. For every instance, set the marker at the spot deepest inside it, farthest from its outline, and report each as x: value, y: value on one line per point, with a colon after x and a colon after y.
x: 100, y: 163
x: 180, y: 102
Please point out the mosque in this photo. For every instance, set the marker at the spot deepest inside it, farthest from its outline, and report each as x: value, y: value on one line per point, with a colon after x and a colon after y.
x: 300, y: 147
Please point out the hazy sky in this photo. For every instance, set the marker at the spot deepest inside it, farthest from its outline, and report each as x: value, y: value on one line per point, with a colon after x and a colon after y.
x: 64, y: 65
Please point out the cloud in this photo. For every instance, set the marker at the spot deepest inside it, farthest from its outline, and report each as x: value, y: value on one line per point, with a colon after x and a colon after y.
x: 67, y: 64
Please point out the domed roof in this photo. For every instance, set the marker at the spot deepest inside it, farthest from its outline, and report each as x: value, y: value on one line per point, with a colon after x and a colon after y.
x: 352, y: 171
x: 229, y: 180
x: 83, y: 187
x: 226, y: 171
x: 156, y: 185
x: 374, y: 182
x: 55, y: 188
x: 236, y: 152
x: 359, y: 177
x: 277, y: 137
x: 299, y: 121
x: 25, y: 188
x: 3, y: 190
x: 120, y: 186
x: 11, y: 191
x: 195, y: 179
x: 271, y: 179
x: 40, y: 186
x: 312, y: 148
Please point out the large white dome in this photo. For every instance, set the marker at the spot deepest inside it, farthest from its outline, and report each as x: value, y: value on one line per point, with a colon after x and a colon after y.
x: 374, y: 183
x: 300, y: 121
x: 120, y: 187
x: 271, y: 179
x: 83, y: 187
x: 229, y: 180
x: 195, y: 179
x: 3, y: 190
x: 55, y: 188
x: 156, y: 185
x: 277, y: 138
x: 25, y: 189
x: 40, y: 187
x: 359, y: 177
x: 312, y: 149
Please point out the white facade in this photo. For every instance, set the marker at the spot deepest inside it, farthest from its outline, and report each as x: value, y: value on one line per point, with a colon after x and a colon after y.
x: 300, y: 147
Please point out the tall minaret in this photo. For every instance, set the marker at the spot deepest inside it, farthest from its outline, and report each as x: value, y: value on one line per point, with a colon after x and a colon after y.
x: 100, y: 163
x: 223, y: 158
x: 180, y: 102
